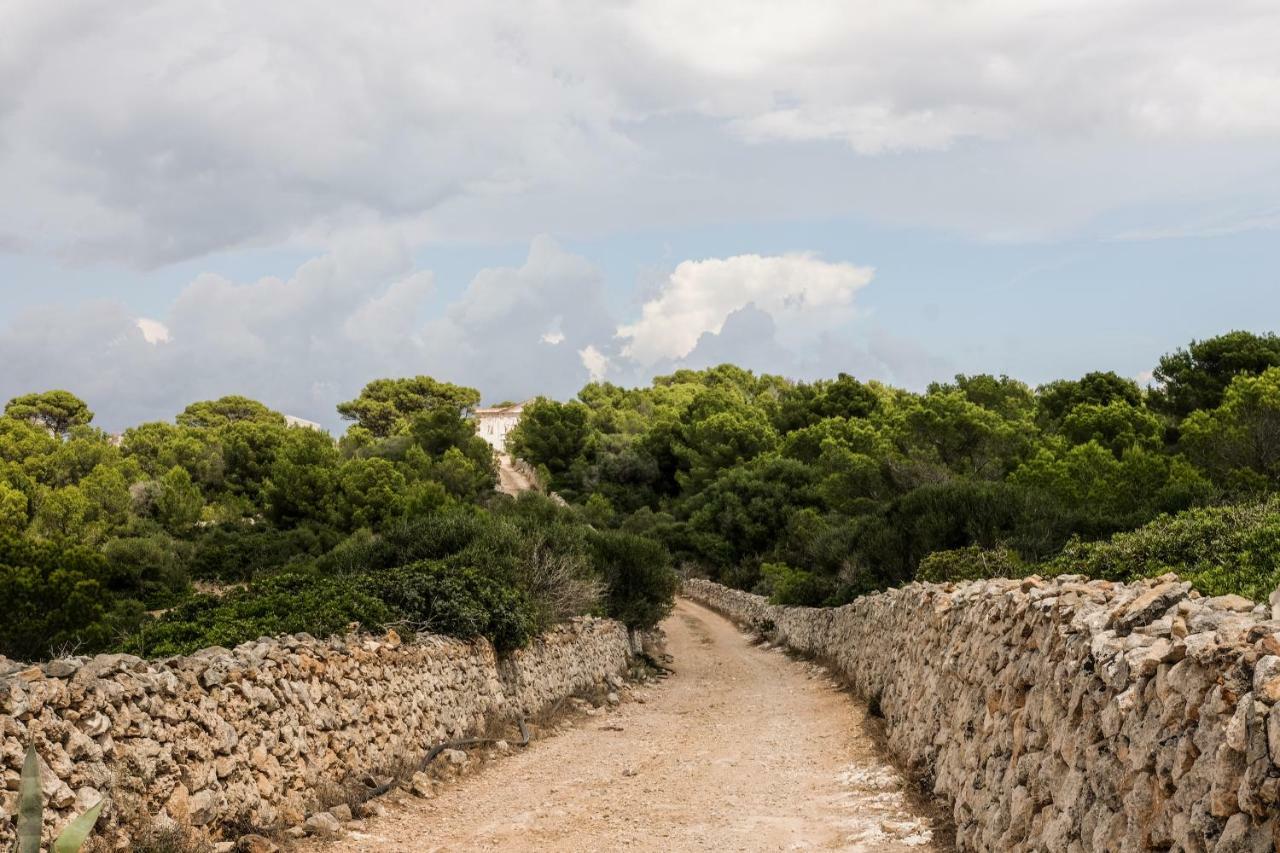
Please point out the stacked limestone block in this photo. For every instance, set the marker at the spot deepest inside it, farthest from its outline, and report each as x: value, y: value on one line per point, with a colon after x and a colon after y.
x: 251, y: 735
x: 1065, y: 715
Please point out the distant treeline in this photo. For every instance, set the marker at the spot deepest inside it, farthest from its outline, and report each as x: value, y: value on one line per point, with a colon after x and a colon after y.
x: 227, y: 524
x: 818, y: 492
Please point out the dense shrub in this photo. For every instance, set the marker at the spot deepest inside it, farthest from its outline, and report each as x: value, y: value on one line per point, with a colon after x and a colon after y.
x: 288, y: 603
x: 639, y: 582
x: 786, y: 585
x: 233, y: 553
x: 58, y: 599
x: 1226, y: 549
x: 151, y: 568
x: 443, y: 597
x: 972, y: 562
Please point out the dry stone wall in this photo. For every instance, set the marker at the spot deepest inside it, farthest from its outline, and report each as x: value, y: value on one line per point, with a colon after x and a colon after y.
x: 252, y: 736
x: 1064, y: 714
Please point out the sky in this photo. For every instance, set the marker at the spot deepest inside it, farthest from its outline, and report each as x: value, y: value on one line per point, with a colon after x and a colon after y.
x: 288, y: 200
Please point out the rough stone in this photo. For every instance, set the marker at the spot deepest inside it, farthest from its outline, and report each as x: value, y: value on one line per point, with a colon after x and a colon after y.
x: 322, y: 823
x: 249, y: 735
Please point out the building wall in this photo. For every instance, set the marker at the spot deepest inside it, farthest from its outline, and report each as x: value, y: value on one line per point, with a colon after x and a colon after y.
x: 494, y: 428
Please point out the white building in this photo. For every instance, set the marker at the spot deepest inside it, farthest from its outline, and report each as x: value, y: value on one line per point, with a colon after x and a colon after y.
x: 494, y: 423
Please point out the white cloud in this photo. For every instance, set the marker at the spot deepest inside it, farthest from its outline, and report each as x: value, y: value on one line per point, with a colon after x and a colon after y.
x: 801, y: 293
x: 153, y: 331
x: 553, y: 338
x: 304, y: 343
x: 181, y: 129
x: 596, y: 362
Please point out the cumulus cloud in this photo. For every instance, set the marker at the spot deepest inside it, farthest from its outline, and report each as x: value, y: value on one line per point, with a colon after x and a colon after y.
x: 596, y: 362
x: 363, y: 309
x: 153, y: 331
x: 803, y: 294
x: 180, y: 129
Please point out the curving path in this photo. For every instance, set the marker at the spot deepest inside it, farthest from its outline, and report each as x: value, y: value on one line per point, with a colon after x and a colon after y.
x: 743, y: 749
x: 511, y: 480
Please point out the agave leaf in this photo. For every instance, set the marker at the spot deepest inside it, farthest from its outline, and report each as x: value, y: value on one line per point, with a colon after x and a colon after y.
x: 72, y: 838
x: 30, y: 808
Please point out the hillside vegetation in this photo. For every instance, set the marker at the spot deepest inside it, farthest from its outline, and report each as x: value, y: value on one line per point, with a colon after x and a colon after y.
x: 227, y: 524
x: 817, y: 492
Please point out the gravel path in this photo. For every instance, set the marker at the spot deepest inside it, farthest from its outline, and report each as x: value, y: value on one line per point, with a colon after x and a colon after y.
x: 511, y: 480
x: 743, y: 749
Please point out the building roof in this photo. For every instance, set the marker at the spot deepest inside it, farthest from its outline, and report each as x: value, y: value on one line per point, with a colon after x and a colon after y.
x: 513, y: 409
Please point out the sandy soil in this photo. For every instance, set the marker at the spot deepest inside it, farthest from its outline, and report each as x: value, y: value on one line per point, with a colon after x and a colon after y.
x: 742, y: 749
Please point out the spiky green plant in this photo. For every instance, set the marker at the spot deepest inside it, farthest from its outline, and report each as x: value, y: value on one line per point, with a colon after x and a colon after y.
x: 31, y: 814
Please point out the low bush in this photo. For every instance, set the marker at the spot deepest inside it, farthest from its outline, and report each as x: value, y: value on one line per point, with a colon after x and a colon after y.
x: 970, y: 563
x: 236, y: 552
x: 639, y: 582
x: 461, y: 600
x: 786, y: 585
x: 1221, y: 550
x: 288, y: 603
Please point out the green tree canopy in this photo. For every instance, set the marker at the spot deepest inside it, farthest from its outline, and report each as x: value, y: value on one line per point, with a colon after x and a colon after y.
x: 551, y: 434
x: 385, y: 406
x: 56, y: 411
x: 1239, y: 441
x: 225, y: 410
x: 1099, y: 388
x: 1197, y: 377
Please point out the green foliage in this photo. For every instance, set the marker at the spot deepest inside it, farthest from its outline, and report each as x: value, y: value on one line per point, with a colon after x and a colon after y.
x: 303, y: 479
x: 150, y: 568
x: 970, y: 440
x: 1239, y: 441
x: 551, y: 434
x: 1195, y: 378
x: 13, y: 510
x: 234, y: 553
x: 454, y: 597
x: 56, y: 411
x: 815, y: 492
x: 288, y: 603
x: 1225, y: 549
x: 227, y: 410
x: 386, y: 406
x: 178, y: 502
x: 969, y: 563
x: 1117, y: 426
x: 1056, y: 399
x: 638, y: 577
x: 797, y: 587
x: 61, y: 514
x: 1007, y: 397
x: 370, y: 492
x: 58, y: 597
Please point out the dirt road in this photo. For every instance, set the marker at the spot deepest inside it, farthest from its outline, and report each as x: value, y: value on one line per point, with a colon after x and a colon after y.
x: 742, y: 749
x: 511, y: 480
